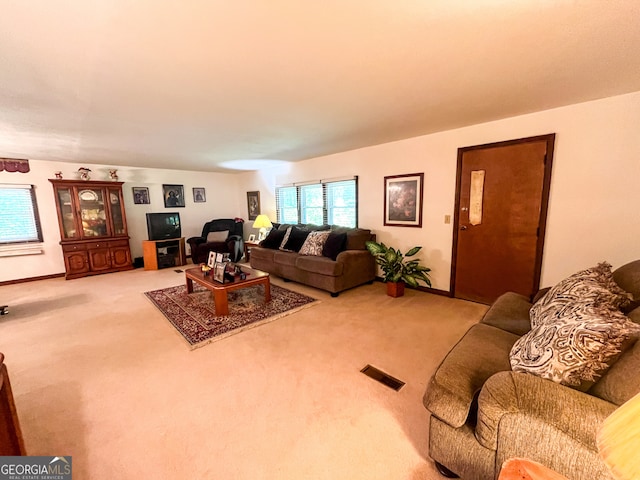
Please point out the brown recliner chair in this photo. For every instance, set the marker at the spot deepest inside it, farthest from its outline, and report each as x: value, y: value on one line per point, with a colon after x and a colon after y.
x: 233, y: 244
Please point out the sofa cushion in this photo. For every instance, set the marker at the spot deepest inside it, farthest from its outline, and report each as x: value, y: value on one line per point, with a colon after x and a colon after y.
x: 264, y: 254
x: 334, y: 245
x: 285, y: 258
x: 274, y: 239
x: 320, y: 265
x: 220, y: 236
x: 482, y: 352
x: 509, y: 312
x: 356, y: 237
x: 621, y: 381
x: 628, y: 278
x: 591, y: 287
x: 577, y: 347
x: 314, y: 243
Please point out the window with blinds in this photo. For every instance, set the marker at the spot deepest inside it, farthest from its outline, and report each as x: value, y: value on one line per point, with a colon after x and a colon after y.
x: 19, y: 221
x: 319, y: 203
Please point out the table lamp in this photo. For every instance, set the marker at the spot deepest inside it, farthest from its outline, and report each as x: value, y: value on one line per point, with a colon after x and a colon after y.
x: 619, y: 440
x: 262, y: 222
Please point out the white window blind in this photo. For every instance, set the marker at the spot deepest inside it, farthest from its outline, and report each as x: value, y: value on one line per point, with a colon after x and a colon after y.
x: 323, y: 202
x: 19, y: 221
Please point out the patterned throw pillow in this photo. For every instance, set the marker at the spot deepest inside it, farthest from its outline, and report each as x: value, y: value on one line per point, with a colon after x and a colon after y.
x: 314, y: 243
x: 594, y: 286
x: 578, y: 348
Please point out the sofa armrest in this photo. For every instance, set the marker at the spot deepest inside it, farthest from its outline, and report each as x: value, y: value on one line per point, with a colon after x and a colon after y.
x: 359, y: 262
x: 577, y: 414
x: 195, y: 241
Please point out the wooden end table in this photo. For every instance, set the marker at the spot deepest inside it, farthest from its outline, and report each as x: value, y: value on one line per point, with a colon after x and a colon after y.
x: 219, y: 290
x: 247, y: 249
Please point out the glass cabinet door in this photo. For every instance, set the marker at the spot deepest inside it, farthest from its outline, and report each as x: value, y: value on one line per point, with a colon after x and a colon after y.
x: 67, y: 218
x: 92, y: 212
x: 116, y: 210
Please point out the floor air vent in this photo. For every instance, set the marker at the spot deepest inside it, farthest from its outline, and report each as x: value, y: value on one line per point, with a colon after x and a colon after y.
x: 177, y: 270
x: 382, y: 377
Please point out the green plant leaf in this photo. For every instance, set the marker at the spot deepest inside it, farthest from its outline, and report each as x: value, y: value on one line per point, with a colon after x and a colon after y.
x: 390, y: 256
x: 374, y: 248
x: 409, y: 280
x: 413, y: 251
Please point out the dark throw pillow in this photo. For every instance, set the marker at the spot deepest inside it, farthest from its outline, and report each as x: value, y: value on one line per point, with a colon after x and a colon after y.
x: 295, y: 240
x: 274, y: 239
x: 334, y: 245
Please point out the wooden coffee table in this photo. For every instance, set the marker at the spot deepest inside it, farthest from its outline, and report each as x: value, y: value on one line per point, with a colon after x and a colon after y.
x: 219, y: 290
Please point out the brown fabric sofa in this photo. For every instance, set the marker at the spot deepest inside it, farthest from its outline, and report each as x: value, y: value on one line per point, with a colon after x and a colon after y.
x: 483, y: 413
x: 353, y: 265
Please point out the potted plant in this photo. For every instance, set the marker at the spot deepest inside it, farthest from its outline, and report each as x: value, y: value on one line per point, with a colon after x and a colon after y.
x: 397, y: 269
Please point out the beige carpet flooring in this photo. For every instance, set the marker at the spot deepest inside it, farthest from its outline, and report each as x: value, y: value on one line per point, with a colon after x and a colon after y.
x: 98, y: 373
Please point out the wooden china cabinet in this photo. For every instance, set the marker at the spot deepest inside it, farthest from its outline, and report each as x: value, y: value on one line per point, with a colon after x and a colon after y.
x: 93, y: 227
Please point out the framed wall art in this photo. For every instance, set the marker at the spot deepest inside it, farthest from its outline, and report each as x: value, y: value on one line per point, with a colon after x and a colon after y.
x: 173, y: 195
x: 253, y: 204
x: 199, y: 195
x: 141, y: 195
x: 403, y: 200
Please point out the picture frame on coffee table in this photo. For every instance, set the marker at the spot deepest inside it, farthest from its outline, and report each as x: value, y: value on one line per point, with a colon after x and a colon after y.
x: 211, y: 261
x: 218, y: 272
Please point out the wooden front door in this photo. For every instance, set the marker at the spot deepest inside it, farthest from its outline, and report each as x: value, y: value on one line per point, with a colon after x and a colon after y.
x: 501, y: 205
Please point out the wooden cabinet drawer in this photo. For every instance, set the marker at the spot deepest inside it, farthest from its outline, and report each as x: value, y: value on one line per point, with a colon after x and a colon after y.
x: 97, y: 245
x: 118, y: 243
x: 77, y: 247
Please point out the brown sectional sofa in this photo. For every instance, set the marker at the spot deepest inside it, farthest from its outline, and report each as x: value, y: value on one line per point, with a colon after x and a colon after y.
x: 483, y: 413
x: 353, y: 265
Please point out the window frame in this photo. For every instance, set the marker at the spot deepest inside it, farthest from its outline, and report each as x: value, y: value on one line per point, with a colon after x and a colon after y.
x: 327, y: 198
x: 35, y: 218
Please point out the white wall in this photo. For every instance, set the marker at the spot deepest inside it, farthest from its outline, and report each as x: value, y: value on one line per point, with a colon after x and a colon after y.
x: 593, y: 213
x: 222, y: 201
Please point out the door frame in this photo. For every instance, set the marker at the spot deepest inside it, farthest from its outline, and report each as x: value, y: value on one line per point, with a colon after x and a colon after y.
x: 546, y: 187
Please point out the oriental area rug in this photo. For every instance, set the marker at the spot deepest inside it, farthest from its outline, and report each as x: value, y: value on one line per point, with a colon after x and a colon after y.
x: 193, y: 315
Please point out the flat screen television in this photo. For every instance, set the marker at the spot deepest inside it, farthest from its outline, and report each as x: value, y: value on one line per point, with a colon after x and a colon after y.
x: 161, y: 226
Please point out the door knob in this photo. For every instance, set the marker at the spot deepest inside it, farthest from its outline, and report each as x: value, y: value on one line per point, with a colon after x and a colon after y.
x: 463, y: 227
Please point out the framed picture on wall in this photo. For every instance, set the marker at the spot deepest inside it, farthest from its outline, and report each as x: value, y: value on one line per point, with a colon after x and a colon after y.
x: 141, y: 195
x: 173, y: 195
x: 253, y: 204
x: 199, y: 195
x: 403, y: 200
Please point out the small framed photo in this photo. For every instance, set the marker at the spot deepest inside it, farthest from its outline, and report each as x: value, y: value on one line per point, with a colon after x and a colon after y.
x: 403, y: 200
x: 222, y: 257
x: 218, y: 272
x: 173, y: 195
x: 253, y: 204
x: 211, y: 261
x: 141, y: 195
x: 199, y: 195
x: 252, y: 238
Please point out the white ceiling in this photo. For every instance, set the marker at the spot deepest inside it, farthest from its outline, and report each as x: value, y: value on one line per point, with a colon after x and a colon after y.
x: 194, y: 84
